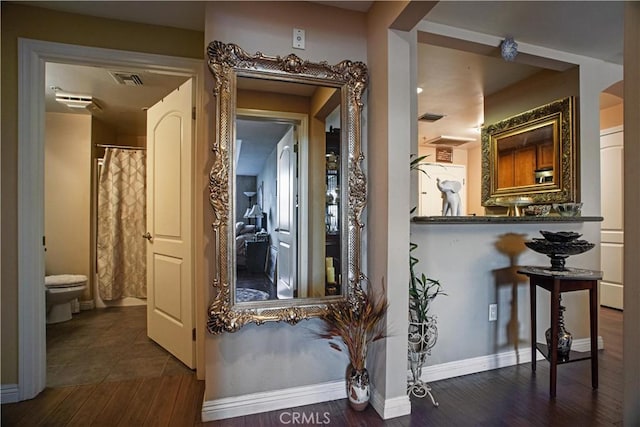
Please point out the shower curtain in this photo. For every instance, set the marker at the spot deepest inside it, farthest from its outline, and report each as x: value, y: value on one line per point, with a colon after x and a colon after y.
x: 122, y: 259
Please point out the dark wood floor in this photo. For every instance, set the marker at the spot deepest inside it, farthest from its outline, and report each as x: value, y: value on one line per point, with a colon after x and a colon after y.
x: 504, y: 397
x: 106, y: 345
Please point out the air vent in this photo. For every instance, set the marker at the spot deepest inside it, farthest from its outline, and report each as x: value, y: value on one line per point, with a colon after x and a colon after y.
x: 124, y: 78
x: 453, y: 141
x: 430, y: 117
x: 78, y: 101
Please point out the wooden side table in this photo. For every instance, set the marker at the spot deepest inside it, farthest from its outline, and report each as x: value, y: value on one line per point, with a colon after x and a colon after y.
x: 557, y: 282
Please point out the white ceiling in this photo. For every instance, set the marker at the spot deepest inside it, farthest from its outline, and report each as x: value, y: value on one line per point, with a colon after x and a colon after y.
x: 455, y: 82
x: 587, y: 28
x: 123, y: 107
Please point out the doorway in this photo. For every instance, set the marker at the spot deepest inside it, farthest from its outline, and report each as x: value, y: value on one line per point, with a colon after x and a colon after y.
x: 32, y: 57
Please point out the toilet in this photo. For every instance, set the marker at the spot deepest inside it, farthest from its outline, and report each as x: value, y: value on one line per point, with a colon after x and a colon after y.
x: 60, y: 291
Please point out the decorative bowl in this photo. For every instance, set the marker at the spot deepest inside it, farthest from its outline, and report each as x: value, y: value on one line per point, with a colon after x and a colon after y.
x: 558, y: 252
x: 560, y: 236
x: 513, y: 204
x: 546, y: 247
x: 537, y: 210
x: 568, y: 209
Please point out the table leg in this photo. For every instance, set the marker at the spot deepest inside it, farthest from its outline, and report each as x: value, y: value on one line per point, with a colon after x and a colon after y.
x: 553, y: 351
x: 593, y: 317
x: 532, y: 299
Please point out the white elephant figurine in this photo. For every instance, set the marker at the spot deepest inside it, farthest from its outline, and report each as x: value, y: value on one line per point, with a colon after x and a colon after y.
x: 451, y: 205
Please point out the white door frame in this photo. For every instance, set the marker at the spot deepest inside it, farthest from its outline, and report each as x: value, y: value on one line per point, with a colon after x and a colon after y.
x: 32, y: 56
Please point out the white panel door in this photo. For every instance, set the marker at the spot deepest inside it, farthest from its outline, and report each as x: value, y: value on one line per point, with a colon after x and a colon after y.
x: 612, y: 208
x: 170, y: 314
x: 430, y: 197
x: 287, y: 224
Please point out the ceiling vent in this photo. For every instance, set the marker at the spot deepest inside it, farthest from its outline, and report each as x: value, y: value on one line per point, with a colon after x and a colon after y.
x: 452, y: 141
x: 78, y: 101
x: 127, y: 79
x: 430, y: 117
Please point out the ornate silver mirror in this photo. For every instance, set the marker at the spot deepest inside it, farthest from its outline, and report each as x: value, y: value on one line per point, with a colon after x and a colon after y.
x: 532, y: 155
x: 286, y: 187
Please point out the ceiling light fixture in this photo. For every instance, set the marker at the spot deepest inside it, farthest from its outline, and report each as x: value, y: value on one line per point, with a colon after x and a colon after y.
x: 419, y: 90
x: 78, y: 101
x: 430, y: 117
x: 509, y: 49
x: 449, y: 140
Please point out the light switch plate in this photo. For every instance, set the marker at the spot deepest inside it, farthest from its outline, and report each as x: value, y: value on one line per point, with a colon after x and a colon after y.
x: 493, y: 312
x: 298, y: 38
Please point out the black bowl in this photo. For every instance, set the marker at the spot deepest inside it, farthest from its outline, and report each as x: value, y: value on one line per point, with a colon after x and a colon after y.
x: 559, y: 248
x: 560, y: 236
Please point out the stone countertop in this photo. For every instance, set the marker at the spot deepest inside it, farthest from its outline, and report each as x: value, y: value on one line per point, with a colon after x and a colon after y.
x: 503, y: 219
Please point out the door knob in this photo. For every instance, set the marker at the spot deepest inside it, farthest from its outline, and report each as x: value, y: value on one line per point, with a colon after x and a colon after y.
x: 147, y: 236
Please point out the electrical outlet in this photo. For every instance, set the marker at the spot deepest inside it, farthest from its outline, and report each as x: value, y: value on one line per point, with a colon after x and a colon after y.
x: 493, y: 312
x: 298, y: 38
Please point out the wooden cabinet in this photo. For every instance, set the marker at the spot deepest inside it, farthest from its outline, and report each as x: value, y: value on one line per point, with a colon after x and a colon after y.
x: 517, y: 167
x: 545, y: 156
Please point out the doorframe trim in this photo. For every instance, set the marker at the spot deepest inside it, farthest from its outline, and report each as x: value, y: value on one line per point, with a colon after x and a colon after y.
x: 32, y: 57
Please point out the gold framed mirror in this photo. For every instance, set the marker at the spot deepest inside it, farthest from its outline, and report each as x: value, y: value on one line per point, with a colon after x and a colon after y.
x: 532, y: 155
x: 286, y: 187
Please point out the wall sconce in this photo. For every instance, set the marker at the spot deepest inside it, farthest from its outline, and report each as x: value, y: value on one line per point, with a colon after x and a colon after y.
x: 509, y: 49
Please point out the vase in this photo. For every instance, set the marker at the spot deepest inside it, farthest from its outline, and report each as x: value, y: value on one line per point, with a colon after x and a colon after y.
x: 358, y: 388
x: 564, y: 338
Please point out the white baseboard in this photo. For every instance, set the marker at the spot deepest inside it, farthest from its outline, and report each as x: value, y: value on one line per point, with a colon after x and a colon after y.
x: 9, y: 393
x: 492, y: 361
x: 390, y: 408
x: 255, y: 403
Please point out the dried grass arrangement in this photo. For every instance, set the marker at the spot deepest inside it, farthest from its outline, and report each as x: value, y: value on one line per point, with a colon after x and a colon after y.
x: 357, y: 322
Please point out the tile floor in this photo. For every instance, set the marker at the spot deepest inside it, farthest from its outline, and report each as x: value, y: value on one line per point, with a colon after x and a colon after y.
x: 104, y: 345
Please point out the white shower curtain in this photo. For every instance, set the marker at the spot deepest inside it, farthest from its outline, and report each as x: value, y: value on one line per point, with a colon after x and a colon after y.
x: 122, y: 260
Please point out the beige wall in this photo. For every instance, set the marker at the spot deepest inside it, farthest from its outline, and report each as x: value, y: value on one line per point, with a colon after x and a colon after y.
x: 131, y: 140
x: 474, y: 176
x: 323, y: 101
x: 41, y: 24
x: 612, y: 116
x: 631, y: 337
x: 101, y: 132
x: 539, y: 89
x: 391, y: 137
x: 278, y: 354
x: 67, y: 194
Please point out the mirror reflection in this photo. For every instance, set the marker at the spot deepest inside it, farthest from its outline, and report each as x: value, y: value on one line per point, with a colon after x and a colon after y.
x: 527, y: 158
x: 532, y: 155
x: 286, y: 186
x: 287, y: 191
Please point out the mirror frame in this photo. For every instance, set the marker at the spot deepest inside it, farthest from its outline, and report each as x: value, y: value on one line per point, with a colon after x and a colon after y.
x: 226, y: 62
x: 564, y: 188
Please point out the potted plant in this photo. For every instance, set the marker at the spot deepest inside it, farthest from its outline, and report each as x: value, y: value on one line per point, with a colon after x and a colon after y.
x: 423, y: 332
x: 353, y: 324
